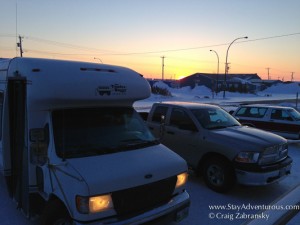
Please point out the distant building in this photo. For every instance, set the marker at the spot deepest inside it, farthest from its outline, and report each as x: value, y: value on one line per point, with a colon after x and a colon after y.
x: 247, y: 83
x: 216, y: 82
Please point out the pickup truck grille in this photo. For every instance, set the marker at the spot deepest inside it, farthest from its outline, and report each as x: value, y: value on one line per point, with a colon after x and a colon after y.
x: 274, y: 154
x: 141, y: 198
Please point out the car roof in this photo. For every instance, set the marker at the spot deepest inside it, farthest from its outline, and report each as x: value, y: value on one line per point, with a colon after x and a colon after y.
x: 190, y: 105
x: 267, y: 106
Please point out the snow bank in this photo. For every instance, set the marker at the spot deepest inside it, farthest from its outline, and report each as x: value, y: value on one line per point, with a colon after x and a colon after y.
x: 291, y: 88
x: 161, y: 84
x: 201, y: 90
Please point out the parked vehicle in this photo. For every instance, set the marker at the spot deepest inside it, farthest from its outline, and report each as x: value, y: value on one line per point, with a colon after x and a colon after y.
x: 217, y: 146
x: 284, y: 121
x: 78, y: 156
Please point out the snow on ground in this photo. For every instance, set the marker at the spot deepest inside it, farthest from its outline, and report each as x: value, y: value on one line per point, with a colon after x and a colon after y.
x: 287, y: 93
x: 202, y: 197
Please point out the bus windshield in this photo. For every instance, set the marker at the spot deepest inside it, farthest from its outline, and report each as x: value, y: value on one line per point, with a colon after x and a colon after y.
x: 96, y: 131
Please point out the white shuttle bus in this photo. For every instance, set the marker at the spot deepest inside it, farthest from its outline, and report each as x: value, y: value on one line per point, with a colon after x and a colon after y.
x: 74, y: 151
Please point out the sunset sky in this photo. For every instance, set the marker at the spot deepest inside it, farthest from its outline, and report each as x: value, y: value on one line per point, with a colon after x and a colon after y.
x: 137, y: 33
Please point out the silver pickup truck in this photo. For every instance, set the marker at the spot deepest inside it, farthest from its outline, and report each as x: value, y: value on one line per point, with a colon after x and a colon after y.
x: 217, y: 146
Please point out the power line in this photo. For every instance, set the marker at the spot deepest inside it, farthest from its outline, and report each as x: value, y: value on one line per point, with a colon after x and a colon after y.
x: 272, y: 37
x: 112, y: 53
x: 108, y: 52
x: 8, y: 35
x: 66, y: 45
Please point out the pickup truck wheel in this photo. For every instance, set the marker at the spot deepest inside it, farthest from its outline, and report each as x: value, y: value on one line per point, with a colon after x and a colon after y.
x: 55, y: 213
x: 218, y: 174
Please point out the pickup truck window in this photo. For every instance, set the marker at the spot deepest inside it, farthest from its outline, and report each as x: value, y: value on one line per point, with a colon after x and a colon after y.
x: 96, y: 131
x: 179, y: 118
x: 158, y: 113
x: 214, y: 118
x: 256, y: 112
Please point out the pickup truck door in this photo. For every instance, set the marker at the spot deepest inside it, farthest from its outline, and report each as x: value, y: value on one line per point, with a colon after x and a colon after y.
x: 181, y: 135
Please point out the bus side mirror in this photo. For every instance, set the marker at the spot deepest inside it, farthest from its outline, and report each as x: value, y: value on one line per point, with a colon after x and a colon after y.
x: 38, y: 146
x: 37, y: 135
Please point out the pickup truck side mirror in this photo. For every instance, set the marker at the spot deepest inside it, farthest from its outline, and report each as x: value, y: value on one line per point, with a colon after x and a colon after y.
x: 38, y: 146
x: 162, y: 126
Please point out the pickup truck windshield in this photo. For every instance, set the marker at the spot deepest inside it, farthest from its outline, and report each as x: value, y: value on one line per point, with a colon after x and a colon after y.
x: 96, y: 131
x: 214, y: 118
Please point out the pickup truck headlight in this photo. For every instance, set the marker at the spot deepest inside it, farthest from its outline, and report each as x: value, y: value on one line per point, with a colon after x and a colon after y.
x: 247, y: 157
x: 94, y: 204
x: 181, y: 179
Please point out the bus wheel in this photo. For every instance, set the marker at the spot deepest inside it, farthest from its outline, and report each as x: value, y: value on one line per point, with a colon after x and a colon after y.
x: 55, y: 213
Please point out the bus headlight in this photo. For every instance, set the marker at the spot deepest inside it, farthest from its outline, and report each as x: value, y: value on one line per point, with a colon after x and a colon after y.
x: 181, y: 179
x: 94, y: 204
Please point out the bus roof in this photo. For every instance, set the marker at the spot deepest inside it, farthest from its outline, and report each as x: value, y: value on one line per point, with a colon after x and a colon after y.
x: 58, y: 83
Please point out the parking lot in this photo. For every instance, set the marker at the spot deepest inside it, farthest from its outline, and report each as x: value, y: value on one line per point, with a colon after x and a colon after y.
x: 237, y: 204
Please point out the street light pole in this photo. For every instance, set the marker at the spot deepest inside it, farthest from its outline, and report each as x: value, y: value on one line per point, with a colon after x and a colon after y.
x: 217, y: 72
x: 226, y: 64
x: 98, y: 59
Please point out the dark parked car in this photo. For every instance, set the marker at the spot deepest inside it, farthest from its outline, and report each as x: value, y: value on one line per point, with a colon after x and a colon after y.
x: 284, y: 121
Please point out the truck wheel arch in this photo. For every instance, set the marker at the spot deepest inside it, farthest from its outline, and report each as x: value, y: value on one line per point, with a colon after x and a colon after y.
x: 206, y: 157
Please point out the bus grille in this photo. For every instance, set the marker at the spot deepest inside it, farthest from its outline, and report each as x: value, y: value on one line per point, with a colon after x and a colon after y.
x: 141, y: 198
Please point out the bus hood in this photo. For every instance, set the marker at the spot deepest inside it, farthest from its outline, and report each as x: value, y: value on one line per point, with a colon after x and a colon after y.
x: 122, y: 170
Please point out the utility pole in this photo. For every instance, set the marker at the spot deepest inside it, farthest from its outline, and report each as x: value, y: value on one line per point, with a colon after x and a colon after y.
x: 292, y: 76
x: 268, y: 73
x: 163, y: 67
x: 19, y: 45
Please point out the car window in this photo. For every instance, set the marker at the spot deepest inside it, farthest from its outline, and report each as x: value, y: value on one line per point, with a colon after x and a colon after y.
x: 279, y: 114
x: 241, y: 111
x: 158, y: 113
x: 294, y: 113
x: 255, y: 112
x: 181, y: 119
